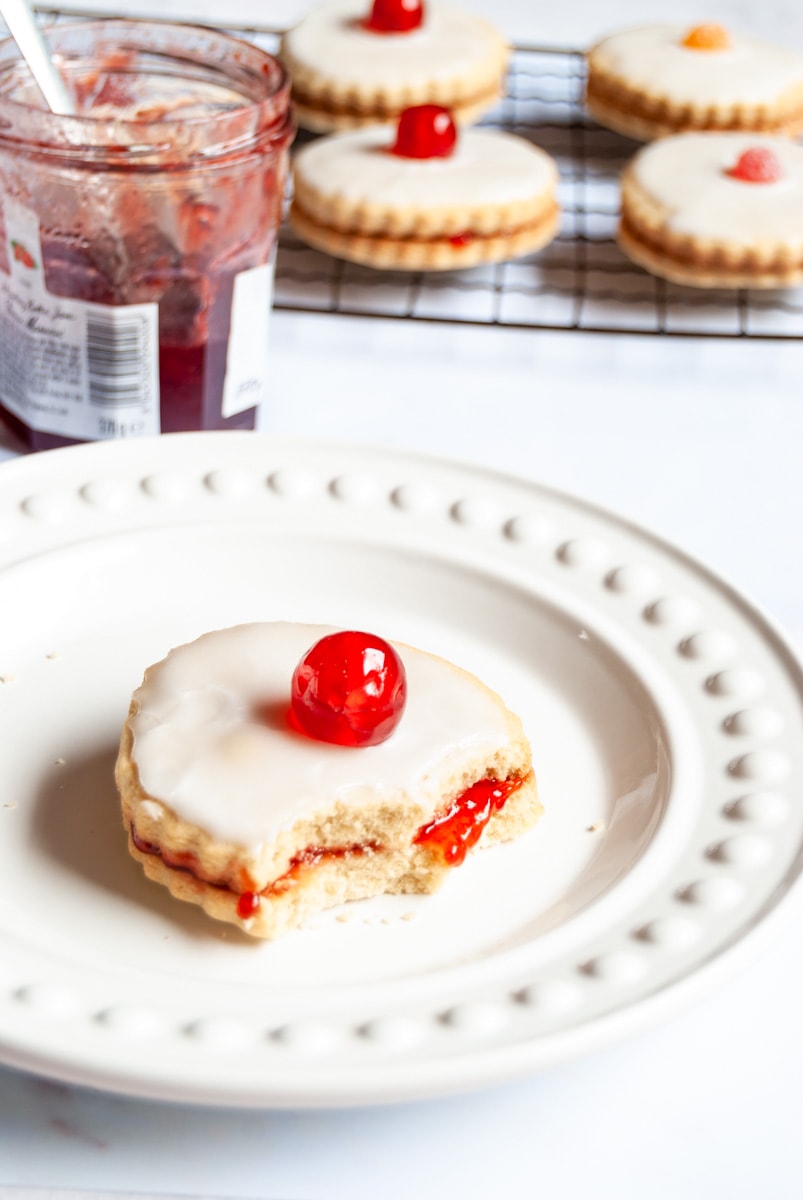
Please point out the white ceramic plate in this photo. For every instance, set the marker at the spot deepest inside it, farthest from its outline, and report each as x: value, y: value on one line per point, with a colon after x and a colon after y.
x: 665, y: 716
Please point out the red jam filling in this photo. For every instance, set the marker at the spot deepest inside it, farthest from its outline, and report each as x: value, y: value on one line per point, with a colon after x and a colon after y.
x: 448, y: 837
x: 310, y: 857
x: 300, y: 864
x: 248, y: 899
x: 247, y: 905
x: 178, y: 861
x: 451, y: 835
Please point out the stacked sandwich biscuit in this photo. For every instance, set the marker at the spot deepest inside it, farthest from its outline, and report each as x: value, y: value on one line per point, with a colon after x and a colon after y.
x: 716, y: 198
x: 403, y: 181
x: 410, y: 185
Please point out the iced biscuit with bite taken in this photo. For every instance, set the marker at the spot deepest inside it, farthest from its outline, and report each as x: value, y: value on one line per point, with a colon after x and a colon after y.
x: 272, y: 770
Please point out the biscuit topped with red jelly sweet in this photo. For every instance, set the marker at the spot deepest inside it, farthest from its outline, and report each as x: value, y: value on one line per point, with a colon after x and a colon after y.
x: 271, y: 770
x: 716, y: 210
x: 354, y: 62
x: 425, y: 194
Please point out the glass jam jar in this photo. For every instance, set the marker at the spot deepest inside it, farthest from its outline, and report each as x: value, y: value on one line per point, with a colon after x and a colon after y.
x: 137, y: 238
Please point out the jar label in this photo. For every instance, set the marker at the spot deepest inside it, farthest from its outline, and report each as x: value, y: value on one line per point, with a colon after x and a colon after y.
x: 71, y: 367
x: 247, y: 353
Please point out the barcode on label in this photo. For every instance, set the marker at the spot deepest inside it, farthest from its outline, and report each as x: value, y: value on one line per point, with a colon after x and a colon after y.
x: 119, y: 350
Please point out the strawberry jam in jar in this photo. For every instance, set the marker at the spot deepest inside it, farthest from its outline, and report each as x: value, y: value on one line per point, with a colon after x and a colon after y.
x: 137, y: 237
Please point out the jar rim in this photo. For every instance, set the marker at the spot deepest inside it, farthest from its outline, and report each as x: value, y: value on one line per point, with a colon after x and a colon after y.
x: 257, y: 77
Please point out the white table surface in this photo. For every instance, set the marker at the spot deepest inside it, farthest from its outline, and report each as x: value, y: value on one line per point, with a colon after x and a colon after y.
x: 701, y: 441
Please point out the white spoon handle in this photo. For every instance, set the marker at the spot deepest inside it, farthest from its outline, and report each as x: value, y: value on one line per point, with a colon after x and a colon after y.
x: 23, y: 27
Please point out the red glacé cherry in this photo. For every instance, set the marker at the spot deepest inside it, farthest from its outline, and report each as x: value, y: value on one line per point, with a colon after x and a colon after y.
x: 350, y: 688
x: 394, y: 16
x: 757, y: 165
x: 425, y: 131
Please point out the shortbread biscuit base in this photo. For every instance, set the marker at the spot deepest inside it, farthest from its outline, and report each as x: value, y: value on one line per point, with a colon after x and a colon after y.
x: 362, y: 214
x: 332, y: 92
x: 326, y: 95
x: 430, y: 253
x: 697, y: 262
x: 697, y: 266
x: 337, y: 880
x: 640, y: 115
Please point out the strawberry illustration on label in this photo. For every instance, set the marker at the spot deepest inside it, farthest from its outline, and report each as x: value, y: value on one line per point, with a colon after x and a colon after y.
x: 23, y: 255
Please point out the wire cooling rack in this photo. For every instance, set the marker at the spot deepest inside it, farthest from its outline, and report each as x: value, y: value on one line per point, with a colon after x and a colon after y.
x: 582, y: 281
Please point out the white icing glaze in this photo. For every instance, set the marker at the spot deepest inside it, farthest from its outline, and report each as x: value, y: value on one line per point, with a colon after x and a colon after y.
x: 653, y: 59
x: 199, y: 749
x: 449, y: 45
x: 689, y: 174
x: 487, y: 168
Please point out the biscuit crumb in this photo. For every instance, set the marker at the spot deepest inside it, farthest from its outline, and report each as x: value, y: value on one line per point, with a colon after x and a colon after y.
x: 8, y: 679
x: 60, y: 762
x: 53, y: 654
x: 10, y: 804
x: 343, y: 918
x: 584, y: 635
x: 408, y: 916
x: 596, y: 827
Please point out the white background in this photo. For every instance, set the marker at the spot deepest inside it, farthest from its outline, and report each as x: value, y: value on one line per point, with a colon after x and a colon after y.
x: 701, y: 442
